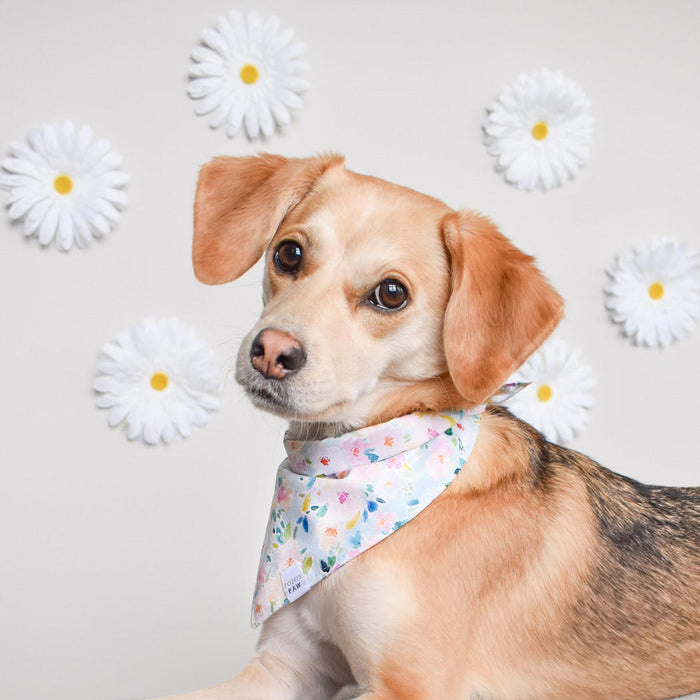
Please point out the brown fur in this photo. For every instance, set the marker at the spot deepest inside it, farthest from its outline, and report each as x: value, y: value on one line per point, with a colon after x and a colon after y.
x: 538, y: 574
x: 585, y: 580
x: 237, y: 209
x: 498, y: 300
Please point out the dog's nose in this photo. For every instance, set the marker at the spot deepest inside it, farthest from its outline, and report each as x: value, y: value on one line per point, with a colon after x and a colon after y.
x: 276, y: 354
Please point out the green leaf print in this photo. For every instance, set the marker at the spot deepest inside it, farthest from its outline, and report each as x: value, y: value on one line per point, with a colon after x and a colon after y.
x: 306, y: 566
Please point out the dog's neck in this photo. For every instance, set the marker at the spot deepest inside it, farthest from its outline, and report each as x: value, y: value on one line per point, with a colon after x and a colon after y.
x: 399, y: 399
x: 303, y: 432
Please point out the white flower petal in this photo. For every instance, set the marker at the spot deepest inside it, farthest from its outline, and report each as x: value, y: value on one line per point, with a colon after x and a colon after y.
x: 215, y: 41
x: 24, y: 204
x: 222, y: 111
x: 201, y: 54
x: 47, y: 228
x: 267, y: 123
x: 95, y: 153
x: 207, y: 70
x: 252, y: 122
x: 100, y: 225
x: 21, y: 166
x: 110, y: 161
x: 151, y: 434
x: 36, y: 215
x: 280, y: 113
x: 118, y: 413
x: 64, y: 231
x: 201, y: 87
x: 116, y: 197
x: 210, y: 102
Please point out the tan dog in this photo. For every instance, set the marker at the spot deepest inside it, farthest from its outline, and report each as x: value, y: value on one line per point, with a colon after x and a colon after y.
x: 562, y: 580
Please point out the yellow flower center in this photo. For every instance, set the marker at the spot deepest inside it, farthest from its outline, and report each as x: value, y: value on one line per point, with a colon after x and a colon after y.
x: 540, y: 131
x: 159, y: 381
x: 544, y: 393
x: 249, y: 74
x: 63, y: 184
x: 656, y: 290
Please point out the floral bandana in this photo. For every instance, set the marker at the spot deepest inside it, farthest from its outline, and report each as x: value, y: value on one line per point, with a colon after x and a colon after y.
x: 336, y: 498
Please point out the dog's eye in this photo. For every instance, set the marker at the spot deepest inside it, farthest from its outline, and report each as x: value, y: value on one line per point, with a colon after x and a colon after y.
x: 389, y: 295
x: 288, y: 256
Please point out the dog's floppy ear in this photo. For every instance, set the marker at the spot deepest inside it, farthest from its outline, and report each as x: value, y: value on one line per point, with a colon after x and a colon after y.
x: 239, y: 205
x: 500, y: 310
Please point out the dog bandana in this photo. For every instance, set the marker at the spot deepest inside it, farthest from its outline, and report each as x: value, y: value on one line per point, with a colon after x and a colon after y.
x: 336, y: 498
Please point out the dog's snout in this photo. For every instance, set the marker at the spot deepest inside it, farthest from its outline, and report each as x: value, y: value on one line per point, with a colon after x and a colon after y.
x: 276, y: 354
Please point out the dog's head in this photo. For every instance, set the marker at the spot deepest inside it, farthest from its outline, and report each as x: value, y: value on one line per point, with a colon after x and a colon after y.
x: 378, y: 300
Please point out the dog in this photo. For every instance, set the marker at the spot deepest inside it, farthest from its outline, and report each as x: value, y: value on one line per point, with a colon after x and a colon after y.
x: 536, y: 573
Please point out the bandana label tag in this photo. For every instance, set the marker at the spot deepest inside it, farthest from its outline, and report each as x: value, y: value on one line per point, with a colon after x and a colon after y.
x: 294, y: 582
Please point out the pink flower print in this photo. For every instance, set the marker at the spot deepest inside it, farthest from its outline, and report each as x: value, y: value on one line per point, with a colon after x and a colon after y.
x: 289, y: 552
x: 438, y: 463
x: 355, y: 450
x: 385, y: 522
x: 284, y: 496
x: 343, y: 496
x: 432, y: 433
x: 394, y: 463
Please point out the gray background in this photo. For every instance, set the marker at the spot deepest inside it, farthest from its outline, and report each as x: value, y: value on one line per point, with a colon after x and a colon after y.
x: 128, y: 570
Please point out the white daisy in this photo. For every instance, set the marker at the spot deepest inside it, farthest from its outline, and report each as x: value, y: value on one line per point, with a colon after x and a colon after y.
x: 64, y: 186
x: 540, y: 128
x: 654, y: 292
x: 248, y: 71
x: 160, y: 377
x: 558, y: 399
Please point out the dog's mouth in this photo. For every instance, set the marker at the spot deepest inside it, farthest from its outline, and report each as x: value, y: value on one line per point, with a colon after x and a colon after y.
x: 275, y: 398
x: 270, y: 398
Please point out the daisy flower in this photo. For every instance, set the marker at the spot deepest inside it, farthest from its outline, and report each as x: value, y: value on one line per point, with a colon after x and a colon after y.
x: 540, y: 129
x: 558, y: 398
x: 247, y: 71
x: 160, y: 377
x: 64, y: 186
x: 654, y: 292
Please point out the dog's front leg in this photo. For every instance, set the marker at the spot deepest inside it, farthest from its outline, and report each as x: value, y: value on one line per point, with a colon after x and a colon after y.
x: 288, y: 665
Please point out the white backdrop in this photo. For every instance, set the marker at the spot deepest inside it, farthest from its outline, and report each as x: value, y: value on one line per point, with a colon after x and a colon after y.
x: 128, y: 570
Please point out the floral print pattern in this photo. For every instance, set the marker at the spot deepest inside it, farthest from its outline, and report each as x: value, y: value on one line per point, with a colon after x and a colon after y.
x: 335, y: 498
